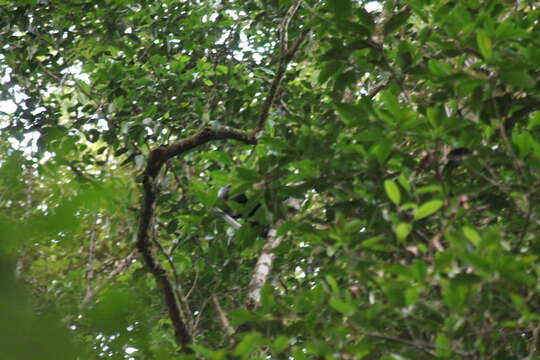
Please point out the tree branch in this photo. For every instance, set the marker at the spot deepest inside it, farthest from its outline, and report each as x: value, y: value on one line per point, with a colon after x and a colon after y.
x: 286, y: 58
x: 225, y: 324
x: 181, y: 333
x: 266, y: 258
x: 262, y: 269
x: 156, y: 159
x: 284, y: 28
x: 159, y: 156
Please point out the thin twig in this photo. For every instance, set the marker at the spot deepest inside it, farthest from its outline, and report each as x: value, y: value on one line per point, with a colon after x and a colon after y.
x: 193, y: 286
x: 284, y: 28
x: 420, y: 345
x: 200, y: 312
x: 122, y: 265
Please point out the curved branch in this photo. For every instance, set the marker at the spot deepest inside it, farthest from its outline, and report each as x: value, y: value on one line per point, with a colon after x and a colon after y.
x: 156, y: 159
x: 159, y: 156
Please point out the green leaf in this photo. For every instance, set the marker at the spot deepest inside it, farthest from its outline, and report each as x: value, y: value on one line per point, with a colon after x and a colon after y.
x: 241, y: 316
x: 508, y: 30
x: 404, y: 182
x: 267, y: 297
x: 411, y: 295
x: 113, y: 311
x: 158, y: 60
x: 298, y: 354
x: 341, y: 8
x: 392, y: 190
x: 396, y: 22
x: 435, y: 115
x: 333, y: 284
x: 429, y: 189
x: 484, y: 44
x: 534, y: 120
x: 373, y: 243
x: 427, y: 209
x: 222, y: 69
x: 274, y: 143
x: 443, y: 346
x: 524, y: 141
x: 318, y: 347
x: 347, y: 309
x: 248, y: 344
x: 439, y: 68
x: 353, y: 226
x: 381, y: 150
x: 403, y: 230
x: 519, y: 303
x: 480, y: 263
x: 472, y: 235
x: 519, y: 78
x: 208, y: 353
x: 369, y: 135
x: 391, y: 102
x: 466, y: 280
x: 366, y: 19
x: 330, y: 69
x: 281, y: 343
x: 351, y: 114
x: 454, y: 295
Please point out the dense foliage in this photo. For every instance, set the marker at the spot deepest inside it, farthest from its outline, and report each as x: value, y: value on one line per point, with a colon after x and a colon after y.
x: 394, y: 147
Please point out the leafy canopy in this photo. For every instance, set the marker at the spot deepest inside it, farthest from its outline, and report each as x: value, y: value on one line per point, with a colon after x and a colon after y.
x: 397, y: 166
